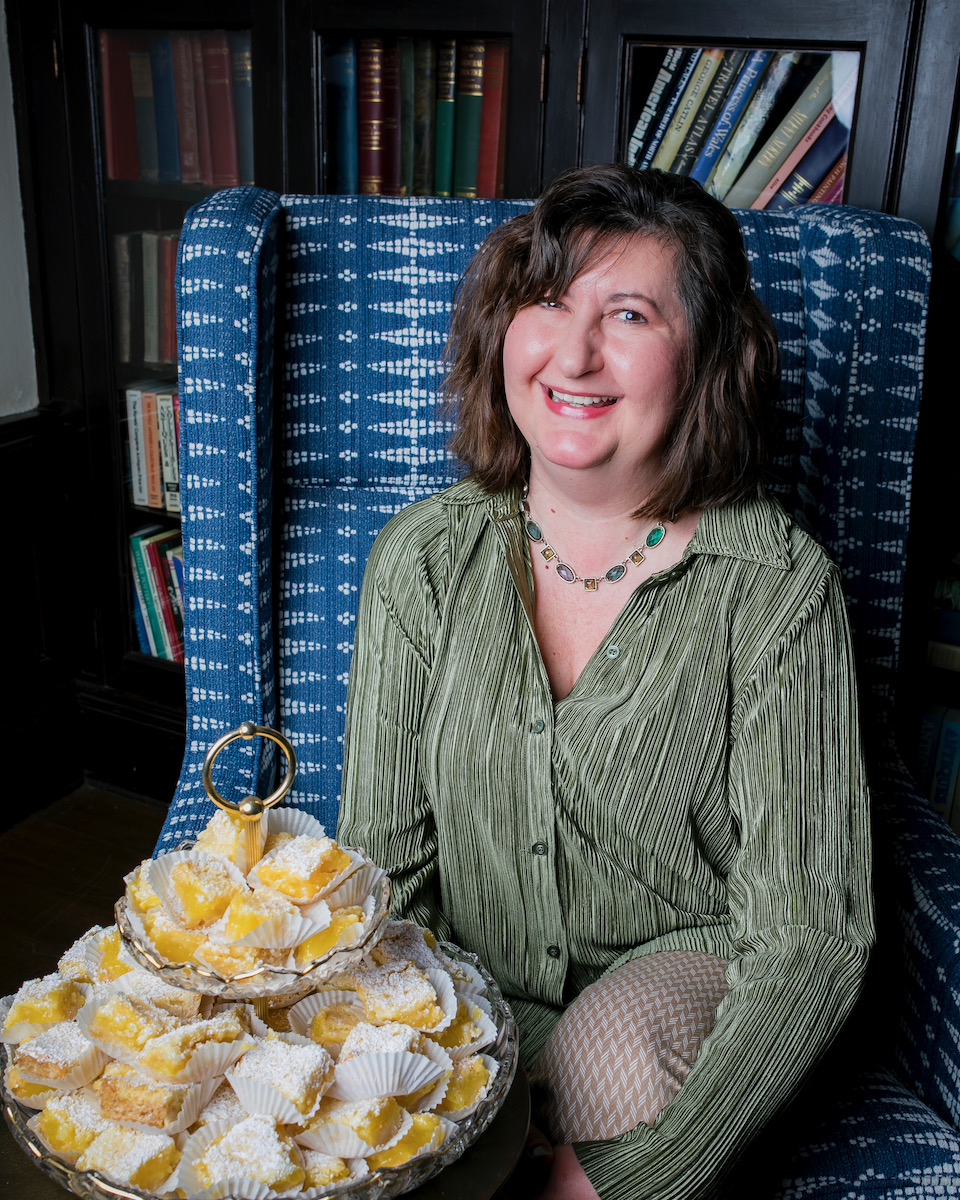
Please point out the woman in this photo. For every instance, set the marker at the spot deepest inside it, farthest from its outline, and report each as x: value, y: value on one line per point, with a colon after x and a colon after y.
x: 602, y: 719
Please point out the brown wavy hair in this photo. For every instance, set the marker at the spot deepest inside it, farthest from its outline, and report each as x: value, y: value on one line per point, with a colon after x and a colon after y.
x: 714, y: 450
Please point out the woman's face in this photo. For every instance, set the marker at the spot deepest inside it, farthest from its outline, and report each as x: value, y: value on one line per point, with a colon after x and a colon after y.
x: 592, y: 376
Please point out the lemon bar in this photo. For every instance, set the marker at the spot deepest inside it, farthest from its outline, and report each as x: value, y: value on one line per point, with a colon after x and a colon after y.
x: 302, y: 866
x: 318, y: 945
x: 399, y: 993
x: 131, y: 1156
x: 323, y: 1169
x: 111, y: 966
x: 403, y: 942
x: 140, y: 889
x: 126, y: 1095
x: 53, y: 1054
x: 178, y: 1002
x: 168, y: 1054
x: 298, y: 1072
x: 69, y: 1123
x: 463, y: 1030
x: 375, y: 1121
x: 254, y: 1149
x: 249, y: 910
x: 392, y: 1038
x: 201, y: 888
x: 222, y: 835
x: 128, y: 1022
x: 73, y: 962
x: 33, y: 1095
x: 223, y: 1105
x: 331, y: 1025
x: 468, y: 1082
x: 45, y: 1001
x: 172, y: 941
x: 423, y: 1134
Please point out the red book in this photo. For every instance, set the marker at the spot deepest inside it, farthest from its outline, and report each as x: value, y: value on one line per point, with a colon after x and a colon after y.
x: 181, y: 54
x: 831, y: 190
x: 151, y: 449
x: 200, y: 104
x: 218, y: 78
x: 155, y: 549
x: 370, y: 116
x: 492, y: 119
x: 167, y: 274
x: 119, y: 123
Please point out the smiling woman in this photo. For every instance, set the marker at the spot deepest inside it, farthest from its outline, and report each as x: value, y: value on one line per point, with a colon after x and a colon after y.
x: 584, y: 681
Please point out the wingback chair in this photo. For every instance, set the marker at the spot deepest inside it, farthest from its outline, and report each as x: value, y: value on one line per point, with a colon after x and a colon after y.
x: 310, y: 336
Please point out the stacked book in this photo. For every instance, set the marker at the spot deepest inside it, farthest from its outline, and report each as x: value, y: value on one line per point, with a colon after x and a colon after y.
x: 762, y: 129
x: 143, y: 267
x: 177, y: 107
x: 412, y: 116
x: 157, y: 569
x: 152, y: 413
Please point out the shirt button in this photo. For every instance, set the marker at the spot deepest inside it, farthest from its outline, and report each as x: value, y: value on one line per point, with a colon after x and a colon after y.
x: 539, y: 847
x: 537, y: 726
x: 613, y: 652
x: 553, y: 951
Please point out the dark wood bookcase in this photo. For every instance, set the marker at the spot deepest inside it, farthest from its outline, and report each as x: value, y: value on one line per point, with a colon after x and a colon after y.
x: 117, y: 715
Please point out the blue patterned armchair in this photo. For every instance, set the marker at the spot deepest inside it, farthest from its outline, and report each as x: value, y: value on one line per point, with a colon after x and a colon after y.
x: 310, y: 333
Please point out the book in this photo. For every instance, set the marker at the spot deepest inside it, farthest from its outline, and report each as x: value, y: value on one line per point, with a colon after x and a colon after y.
x: 221, y: 118
x: 341, y: 75
x: 169, y: 455
x: 119, y: 124
x: 812, y: 168
x: 492, y: 120
x: 145, y: 117
x: 831, y: 190
x: 446, y: 105
x: 390, y: 117
x: 147, y: 596
x: 154, y: 549
x: 752, y: 120
x: 138, y: 464
x: 370, y: 116
x: 126, y: 288
x: 424, y: 115
x: 200, y: 103
x: 184, y: 83
x: 174, y: 553
x: 167, y: 243
x: 151, y: 445
x: 242, y: 67
x: 944, y: 655
x: 149, y: 254
x: 732, y: 109
x: 693, y: 95
x: 657, y: 96
x: 405, y: 52
x: 709, y: 110
x: 946, y: 765
x: 666, y: 115
x: 836, y: 104
x: 145, y: 642
x: 805, y: 110
x: 165, y: 108
x: 468, y: 112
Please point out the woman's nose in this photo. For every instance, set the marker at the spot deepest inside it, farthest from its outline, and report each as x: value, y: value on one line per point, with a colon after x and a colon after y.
x: 579, y: 351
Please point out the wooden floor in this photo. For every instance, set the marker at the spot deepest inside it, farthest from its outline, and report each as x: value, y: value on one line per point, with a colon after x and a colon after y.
x: 62, y: 870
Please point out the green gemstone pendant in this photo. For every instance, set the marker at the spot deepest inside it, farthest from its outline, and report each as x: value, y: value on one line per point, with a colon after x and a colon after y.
x: 655, y: 536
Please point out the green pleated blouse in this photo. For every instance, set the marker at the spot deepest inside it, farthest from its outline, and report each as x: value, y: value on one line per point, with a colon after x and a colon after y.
x: 701, y: 787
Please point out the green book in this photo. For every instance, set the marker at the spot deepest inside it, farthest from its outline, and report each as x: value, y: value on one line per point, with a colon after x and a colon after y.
x: 446, y: 104
x: 468, y: 111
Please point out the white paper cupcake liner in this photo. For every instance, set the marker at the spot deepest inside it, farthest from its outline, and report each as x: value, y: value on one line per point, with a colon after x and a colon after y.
x: 23, y: 1030
x: 161, y: 871
x: 296, y: 822
x: 435, y: 1096
x: 466, y: 978
x: 493, y: 1067
x: 261, y: 1099
x: 357, y: 887
x: 356, y: 862
x: 446, y: 997
x: 279, y: 932
x: 488, y: 1034
x: 35, y: 1102
x: 331, y: 1137
x: 358, y: 1169
x: 185, y: 1177
x: 476, y: 998
x: 367, y: 1076
x: 303, y: 1012
x: 87, y: 1067
x: 207, y: 1060
x: 193, y: 1105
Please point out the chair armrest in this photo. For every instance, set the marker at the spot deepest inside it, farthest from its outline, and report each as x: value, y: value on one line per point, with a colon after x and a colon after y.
x: 917, y: 882
x: 229, y: 245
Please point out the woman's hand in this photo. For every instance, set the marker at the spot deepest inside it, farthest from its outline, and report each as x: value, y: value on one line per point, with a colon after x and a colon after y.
x: 568, y: 1180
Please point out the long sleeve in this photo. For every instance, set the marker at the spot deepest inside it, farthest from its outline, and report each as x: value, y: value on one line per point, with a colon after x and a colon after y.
x: 799, y: 897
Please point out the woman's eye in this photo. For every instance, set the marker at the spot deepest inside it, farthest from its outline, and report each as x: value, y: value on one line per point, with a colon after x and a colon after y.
x: 545, y: 303
x: 630, y: 316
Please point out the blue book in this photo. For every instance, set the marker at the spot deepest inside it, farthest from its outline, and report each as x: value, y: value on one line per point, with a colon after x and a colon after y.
x: 682, y: 79
x: 241, y: 63
x: 144, y: 114
x: 341, y: 70
x: 730, y: 114
x: 813, y: 168
x: 165, y: 108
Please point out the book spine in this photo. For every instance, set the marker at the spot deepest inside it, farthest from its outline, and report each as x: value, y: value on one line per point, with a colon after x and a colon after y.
x: 813, y: 168
x: 468, y: 112
x: 181, y: 52
x: 491, y: 122
x: 148, y: 590
x: 405, y: 51
x: 751, y: 123
x: 119, y: 124
x: 502, y: 141
x: 370, y: 115
x: 155, y: 551
x: 141, y: 614
x: 151, y: 448
x: 446, y: 106
x: 242, y: 68
x: 138, y: 467
x: 709, y: 110
x: 733, y: 108
x: 203, y: 120
x: 341, y: 70
x: 666, y: 116
x: 390, y: 129
x: 167, y: 295
x: 687, y: 109
x: 149, y: 246
x: 143, y: 111
x: 169, y: 464
x: 947, y: 765
x: 831, y: 190
x: 424, y: 115
x: 764, y: 163
x: 121, y: 296
x: 656, y: 98
x: 218, y: 80
x: 165, y: 108
x: 174, y: 556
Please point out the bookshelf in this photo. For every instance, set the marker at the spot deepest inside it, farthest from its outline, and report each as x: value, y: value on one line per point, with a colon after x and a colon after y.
x: 577, y: 76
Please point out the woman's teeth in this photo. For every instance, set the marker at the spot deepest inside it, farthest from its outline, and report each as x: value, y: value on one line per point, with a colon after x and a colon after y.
x: 581, y: 401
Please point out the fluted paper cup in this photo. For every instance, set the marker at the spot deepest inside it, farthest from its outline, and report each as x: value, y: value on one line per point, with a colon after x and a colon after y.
x: 330, y: 1137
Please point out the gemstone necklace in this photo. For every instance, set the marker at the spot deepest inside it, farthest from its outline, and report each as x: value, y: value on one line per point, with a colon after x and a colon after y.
x: 566, y: 572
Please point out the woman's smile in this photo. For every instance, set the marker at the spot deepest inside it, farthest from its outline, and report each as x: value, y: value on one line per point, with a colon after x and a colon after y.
x: 572, y: 405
